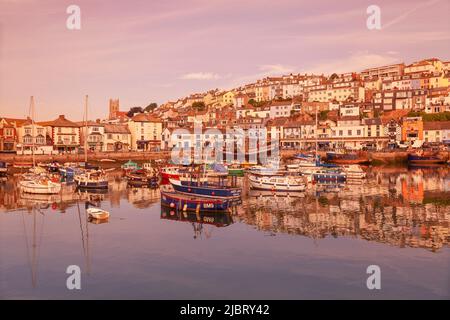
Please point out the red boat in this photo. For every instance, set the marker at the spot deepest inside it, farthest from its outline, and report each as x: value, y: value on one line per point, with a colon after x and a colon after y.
x: 170, y: 173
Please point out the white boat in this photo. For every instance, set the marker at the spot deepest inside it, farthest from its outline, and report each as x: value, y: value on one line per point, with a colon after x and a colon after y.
x: 264, y: 170
x: 278, y: 183
x: 98, y: 213
x: 40, y: 186
x: 353, y: 171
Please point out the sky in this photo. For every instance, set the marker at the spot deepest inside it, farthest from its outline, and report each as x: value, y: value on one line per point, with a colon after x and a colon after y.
x: 154, y: 51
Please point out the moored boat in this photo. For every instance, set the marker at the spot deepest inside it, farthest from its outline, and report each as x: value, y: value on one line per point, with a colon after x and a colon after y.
x: 348, y: 157
x: 278, y: 183
x: 130, y: 165
x: 142, y: 178
x: 417, y: 159
x: 205, y: 189
x: 170, y: 173
x: 91, y: 180
x: 40, y: 186
x: 97, y: 213
x: 184, y: 202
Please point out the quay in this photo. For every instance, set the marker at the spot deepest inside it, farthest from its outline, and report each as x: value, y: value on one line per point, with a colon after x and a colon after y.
x: 93, y: 156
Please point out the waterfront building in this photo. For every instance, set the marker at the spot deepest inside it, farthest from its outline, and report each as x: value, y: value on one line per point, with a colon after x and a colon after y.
x: 412, y: 130
x: 64, y: 134
x: 94, y: 132
x: 145, y: 132
x: 117, y: 138
x: 29, y: 135
x: 9, y: 134
x: 436, y: 131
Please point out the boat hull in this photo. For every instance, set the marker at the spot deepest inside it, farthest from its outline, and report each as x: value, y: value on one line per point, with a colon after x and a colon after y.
x: 92, y: 185
x: 424, y: 160
x: 186, y: 203
x: 193, y: 188
x: 51, y: 188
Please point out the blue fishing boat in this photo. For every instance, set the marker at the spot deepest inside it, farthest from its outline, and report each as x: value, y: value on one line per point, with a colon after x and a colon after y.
x: 186, y: 202
x: 205, y: 189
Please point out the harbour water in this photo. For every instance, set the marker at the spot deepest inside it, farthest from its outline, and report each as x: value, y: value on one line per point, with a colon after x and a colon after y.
x: 316, y: 244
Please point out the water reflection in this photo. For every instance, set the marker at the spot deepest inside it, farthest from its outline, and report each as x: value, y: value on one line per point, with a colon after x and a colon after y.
x: 394, y: 206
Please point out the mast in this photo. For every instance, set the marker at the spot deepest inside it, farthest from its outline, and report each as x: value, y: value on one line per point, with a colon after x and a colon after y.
x: 317, y: 128
x: 85, y: 128
x: 33, y: 135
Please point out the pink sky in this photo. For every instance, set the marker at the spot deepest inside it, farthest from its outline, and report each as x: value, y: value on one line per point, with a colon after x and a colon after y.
x: 144, y: 51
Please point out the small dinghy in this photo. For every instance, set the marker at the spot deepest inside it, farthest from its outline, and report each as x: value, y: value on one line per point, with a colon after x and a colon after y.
x: 97, y: 213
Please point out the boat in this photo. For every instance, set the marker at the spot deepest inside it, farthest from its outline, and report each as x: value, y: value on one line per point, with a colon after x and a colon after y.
x: 264, y: 170
x: 3, y: 168
x: 67, y: 172
x: 142, y: 177
x: 353, y: 171
x: 40, y: 186
x: 329, y: 176
x: 184, y: 202
x: 170, y: 173
x: 205, y: 189
x: 91, y: 180
x: 97, y: 213
x: 130, y: 165
x: 53, y: 167
x: 348, y: 157
x: 107, y: 160
x: 278, y: 183
x: 420, y: 159
x: 23, y: 165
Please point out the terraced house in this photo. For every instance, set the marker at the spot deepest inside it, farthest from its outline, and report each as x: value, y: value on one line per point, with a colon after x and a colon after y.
x: 146, y: 131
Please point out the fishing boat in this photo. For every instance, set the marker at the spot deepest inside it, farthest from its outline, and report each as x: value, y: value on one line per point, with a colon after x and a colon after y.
x: 130, y: 165
x: 420, y: 159
x: 40, y: 186
x: 91, y: 180
x: 142, y: 178
x: 205, y: 189
x: 53, y: 167
x: 184, y: 202
x: 277, y: 183
x: 353, y: 171
x: 348, y: 157
x: 3, y: 168
x: 67, y: 172
x: 97, y: 213
x: 329, y: 176
x: 170, y: 173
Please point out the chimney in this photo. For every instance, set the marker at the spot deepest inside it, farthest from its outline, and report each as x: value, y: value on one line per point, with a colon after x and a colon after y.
x: 61, y: 116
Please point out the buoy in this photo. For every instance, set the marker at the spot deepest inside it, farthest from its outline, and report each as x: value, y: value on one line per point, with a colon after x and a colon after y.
x: 172, y: 212
x: 189, y: 189
x: 213, y: 193
x: 172, y: 205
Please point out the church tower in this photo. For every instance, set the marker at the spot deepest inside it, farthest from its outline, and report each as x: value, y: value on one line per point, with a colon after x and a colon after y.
x: 113, y: 108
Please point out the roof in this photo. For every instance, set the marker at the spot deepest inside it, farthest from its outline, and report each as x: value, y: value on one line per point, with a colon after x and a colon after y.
x: 117, y: 128
x: 349, y: 118
x: 372, y: 122
x: 16, y: 121
x: 436, y: 125
x: 90, y: 123
x: 145, y: 117
x: 61, y: 121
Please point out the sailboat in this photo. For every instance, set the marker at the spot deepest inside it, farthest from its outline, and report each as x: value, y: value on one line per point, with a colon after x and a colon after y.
x: 89, y: 179
x: 37, y: 183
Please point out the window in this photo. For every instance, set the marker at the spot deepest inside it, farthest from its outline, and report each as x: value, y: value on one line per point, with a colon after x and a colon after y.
x: 349, y: 132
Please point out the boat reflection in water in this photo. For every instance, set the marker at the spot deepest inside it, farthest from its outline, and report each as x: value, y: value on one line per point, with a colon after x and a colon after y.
x: 198, y: 219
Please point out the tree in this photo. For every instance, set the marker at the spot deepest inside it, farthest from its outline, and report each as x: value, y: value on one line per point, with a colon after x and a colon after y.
x: 323, y: 115
x: 199, y: 106
x: 133, y: 111
x: 252, y: 102
x: 152, y: 106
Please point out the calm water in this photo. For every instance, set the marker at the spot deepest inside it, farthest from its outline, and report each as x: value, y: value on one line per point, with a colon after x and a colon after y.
x: 275, y: 247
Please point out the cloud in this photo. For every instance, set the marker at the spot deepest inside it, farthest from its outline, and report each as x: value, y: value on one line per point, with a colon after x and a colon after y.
x: 200, y: 76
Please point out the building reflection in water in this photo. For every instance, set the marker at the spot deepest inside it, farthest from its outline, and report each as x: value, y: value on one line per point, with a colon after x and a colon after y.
x: 398, y: 207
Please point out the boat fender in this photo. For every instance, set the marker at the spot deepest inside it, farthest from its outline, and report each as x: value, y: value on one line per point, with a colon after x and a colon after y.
x: 189, y: 190
x: 213, y: 193
x: 172, y: 205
